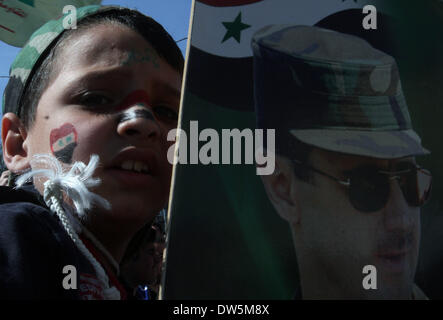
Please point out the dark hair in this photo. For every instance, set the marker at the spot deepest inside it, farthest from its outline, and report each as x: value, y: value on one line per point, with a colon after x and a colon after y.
x: 151, y: 30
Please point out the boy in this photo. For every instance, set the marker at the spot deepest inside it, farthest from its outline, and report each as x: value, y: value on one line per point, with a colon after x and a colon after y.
x: 109, y: 88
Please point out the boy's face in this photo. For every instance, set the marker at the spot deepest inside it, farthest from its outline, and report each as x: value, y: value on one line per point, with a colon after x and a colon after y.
x: 115, y: 97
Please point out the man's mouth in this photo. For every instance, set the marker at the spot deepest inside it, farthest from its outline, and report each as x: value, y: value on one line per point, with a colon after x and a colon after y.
x: 393, y: 256
x: 393, y: 263
x: 394, y: 251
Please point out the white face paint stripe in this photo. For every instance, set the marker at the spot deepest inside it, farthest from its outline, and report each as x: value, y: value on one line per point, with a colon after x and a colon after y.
x: 62, y: 142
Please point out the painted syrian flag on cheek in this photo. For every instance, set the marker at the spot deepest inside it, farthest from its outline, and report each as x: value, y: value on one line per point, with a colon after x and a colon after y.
x: 63, y: 141
x: 220, y: 60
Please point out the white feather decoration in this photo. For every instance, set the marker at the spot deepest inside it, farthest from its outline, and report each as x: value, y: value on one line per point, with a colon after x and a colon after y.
x: 75, y: 184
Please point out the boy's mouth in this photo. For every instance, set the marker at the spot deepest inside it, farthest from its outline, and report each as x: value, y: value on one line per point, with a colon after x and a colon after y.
x: 135, y: 166
x: 135, y: 161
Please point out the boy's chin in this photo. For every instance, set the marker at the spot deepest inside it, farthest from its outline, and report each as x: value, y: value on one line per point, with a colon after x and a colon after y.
x: 132, y: 210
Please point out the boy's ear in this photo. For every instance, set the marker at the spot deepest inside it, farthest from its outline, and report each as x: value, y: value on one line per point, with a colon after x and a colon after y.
x: 15, y: 153
x: 280, y: 187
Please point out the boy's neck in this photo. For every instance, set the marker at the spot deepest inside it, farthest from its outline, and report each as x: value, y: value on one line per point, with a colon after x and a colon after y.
x: 113, y: 240
x: 103, y: 254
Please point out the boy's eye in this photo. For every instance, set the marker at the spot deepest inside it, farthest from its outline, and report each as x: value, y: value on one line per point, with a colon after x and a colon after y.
x: 95, y: 99
x: 165, y: 113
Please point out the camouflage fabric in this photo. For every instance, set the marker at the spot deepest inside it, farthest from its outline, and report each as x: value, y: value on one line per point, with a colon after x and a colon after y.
x: 331, y: 90
x: 33, y: 53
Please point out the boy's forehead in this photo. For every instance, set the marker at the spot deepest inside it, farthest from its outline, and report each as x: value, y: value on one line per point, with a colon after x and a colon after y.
x: 104, y: 45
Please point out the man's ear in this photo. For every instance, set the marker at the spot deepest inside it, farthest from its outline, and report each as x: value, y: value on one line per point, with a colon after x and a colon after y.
x: 281, y: 189
x: 15, y: 153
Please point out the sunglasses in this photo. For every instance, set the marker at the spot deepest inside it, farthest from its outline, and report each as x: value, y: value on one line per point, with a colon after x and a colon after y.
x: 369, y: 186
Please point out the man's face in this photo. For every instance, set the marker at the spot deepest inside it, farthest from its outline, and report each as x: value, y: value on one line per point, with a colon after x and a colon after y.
x: 342, y: 240
x: 115, y: 97
x: 147, y: 265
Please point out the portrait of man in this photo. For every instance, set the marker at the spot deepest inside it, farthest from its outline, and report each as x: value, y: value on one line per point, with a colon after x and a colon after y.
x: 346, y: 177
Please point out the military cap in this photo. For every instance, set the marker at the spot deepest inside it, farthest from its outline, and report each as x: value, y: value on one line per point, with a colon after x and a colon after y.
x: 33, y: 53
x: 331, y: 90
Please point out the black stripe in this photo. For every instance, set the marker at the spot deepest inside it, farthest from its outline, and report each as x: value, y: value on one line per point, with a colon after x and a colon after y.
x: 226, y: 82
x: 137, y: 113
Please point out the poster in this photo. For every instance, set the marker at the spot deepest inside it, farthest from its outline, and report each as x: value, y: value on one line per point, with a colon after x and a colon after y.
x: 225, y: 238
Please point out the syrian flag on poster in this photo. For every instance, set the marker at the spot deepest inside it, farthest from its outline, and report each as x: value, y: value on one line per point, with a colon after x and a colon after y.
x: 20, y: 18
x: 220, y: 58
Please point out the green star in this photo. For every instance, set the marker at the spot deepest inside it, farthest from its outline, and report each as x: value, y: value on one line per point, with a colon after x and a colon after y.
x: 234, y: 29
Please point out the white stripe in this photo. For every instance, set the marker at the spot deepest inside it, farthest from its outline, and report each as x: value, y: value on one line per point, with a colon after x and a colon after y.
x: 41, y: 42
x: 20, y: 73
x: 208, y: 30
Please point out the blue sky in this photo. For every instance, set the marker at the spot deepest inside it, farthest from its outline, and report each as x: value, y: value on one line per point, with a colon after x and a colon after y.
x: 172, y: 14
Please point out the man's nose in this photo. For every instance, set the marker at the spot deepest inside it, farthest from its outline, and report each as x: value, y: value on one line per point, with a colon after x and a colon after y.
x: 138, y: 122
x: 398, y: 214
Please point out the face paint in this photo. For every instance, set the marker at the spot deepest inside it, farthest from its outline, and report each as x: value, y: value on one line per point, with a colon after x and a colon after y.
x: 138, y: 97
x: 137, y: 113
x: 148, y: 55
x: 63, y: 141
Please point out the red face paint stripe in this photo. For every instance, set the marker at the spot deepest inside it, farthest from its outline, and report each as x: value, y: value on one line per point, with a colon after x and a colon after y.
x: 63, y: 131
x: 138, y: 96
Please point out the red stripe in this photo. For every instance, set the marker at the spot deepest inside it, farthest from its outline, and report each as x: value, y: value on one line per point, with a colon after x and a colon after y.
x: 227, y: 3
x: 7, y: 29
x: 138, y: 96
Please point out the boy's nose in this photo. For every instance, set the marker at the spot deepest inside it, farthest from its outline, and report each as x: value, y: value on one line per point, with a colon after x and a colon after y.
x: 138, y: 122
